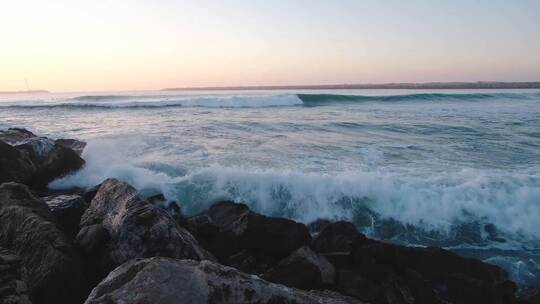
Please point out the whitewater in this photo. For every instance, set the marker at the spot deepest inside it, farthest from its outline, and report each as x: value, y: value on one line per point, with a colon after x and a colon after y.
x: 458, y: 169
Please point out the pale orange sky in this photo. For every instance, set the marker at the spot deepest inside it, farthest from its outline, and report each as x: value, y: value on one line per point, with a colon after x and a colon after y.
x: 78, y: 45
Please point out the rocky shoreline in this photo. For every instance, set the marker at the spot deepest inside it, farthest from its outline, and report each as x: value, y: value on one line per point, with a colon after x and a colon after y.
x: 109, y: 244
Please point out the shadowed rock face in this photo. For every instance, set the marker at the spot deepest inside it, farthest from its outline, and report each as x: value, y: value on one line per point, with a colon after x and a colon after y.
x: 335, y: 237
x: 168, y: 281
x: 136, y: 228
x: 13, y: 287
x: 67, y: 209
x: 303, y: 269
x: 53, y: 268
x: 385, y: 273
x: 35, y: 161
x: 15, y: 165
x: 228, y: 228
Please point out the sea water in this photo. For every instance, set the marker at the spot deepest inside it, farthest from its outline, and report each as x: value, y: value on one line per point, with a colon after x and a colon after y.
x: 458, y: 169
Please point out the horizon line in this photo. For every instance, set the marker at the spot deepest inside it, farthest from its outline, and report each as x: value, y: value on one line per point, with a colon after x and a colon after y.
x: 343, y: 86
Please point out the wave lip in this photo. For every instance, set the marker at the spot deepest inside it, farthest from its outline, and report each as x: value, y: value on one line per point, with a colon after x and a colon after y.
x: 322, y: 99
x: 116, y: 101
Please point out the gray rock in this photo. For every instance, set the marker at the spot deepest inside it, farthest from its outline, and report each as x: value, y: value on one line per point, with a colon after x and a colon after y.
x: 136, y: 227
x: 53, y: 267
x: 170, y: 281
x: 13, y: 288
x: 303, y: 269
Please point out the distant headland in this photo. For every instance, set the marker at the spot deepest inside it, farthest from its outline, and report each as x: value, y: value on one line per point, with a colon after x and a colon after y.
x: 25, y: 92
x: 406, y: 86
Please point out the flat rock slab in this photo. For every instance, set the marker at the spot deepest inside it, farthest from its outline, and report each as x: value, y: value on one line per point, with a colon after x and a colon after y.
x: 170, y: 281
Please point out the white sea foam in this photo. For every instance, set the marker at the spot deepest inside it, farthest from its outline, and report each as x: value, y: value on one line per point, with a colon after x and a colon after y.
x: 509, y: 200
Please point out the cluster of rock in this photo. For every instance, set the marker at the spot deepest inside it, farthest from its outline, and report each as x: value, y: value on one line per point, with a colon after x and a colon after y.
x: 109, y: 244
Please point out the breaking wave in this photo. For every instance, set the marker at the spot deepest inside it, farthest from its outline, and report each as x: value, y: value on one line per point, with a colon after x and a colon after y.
x: 259, y: 101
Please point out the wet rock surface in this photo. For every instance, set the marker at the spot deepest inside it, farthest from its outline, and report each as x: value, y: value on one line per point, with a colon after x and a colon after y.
x: 228, y: 228
x: 33, y: 160
x: 54, y: 268
x: 13, y: 287
x: 164, y: 280
x: 136, y: 227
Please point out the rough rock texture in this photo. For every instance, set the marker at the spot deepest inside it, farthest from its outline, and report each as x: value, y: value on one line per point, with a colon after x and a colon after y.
x: 168, y: 281
x: 68, y: 210
x: 54, y: 269
x: 15, y: 165
x: 35, y: 161
x: 75, y: 145
x: 386, y: 273
x: 228, y: 228
x: 15, y: 136
x: 302, y: 269
x: 335, y: 237
x: 136, y: 227
x: 13, y: 288
x: 58, y: 162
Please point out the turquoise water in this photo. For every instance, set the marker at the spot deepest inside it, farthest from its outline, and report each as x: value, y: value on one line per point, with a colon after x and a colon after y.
x: 459, y: 169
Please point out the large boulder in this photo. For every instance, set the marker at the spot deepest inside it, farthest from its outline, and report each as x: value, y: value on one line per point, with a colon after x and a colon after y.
x: 13, y: 287
x: 335, y: 237
x: 34, y: 160
x: 58, y: 162
x: 170, y: 281
x: 135, y: 228
x: 54, y: 268
x: 388, y: 273
x: 303, y: 269
x: 228, y: 228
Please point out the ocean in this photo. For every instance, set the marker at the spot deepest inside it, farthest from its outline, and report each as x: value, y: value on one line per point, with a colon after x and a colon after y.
x: 450, y: 168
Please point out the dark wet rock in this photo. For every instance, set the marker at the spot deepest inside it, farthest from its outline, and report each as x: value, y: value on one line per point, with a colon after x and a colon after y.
x: 302, y: 269
x: 335, y: 237
x: 33, y: 160
x: 60, y: 161
x: 15, y: 165
x: 251, y: 261
x: 170, y: 206
x: 38, y: 148
x: 238, y: 228
x: 89, y: 193
x: 317, y: 226
x: 529, y: 295
x: 93, y: 239
x: 54, y: 268
x: 15, y: 136
x: 170, y: 281
x: 73, y: 144
x: 387, y: 273
x: 137, y: 228
x: 13, y: 287
x: 68, y: 210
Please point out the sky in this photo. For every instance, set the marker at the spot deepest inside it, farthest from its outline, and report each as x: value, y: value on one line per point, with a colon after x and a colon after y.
x: 99, y: 45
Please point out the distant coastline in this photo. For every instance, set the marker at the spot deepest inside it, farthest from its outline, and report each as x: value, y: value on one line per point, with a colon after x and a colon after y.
x: 24, y: 92
x: 407, y: 86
